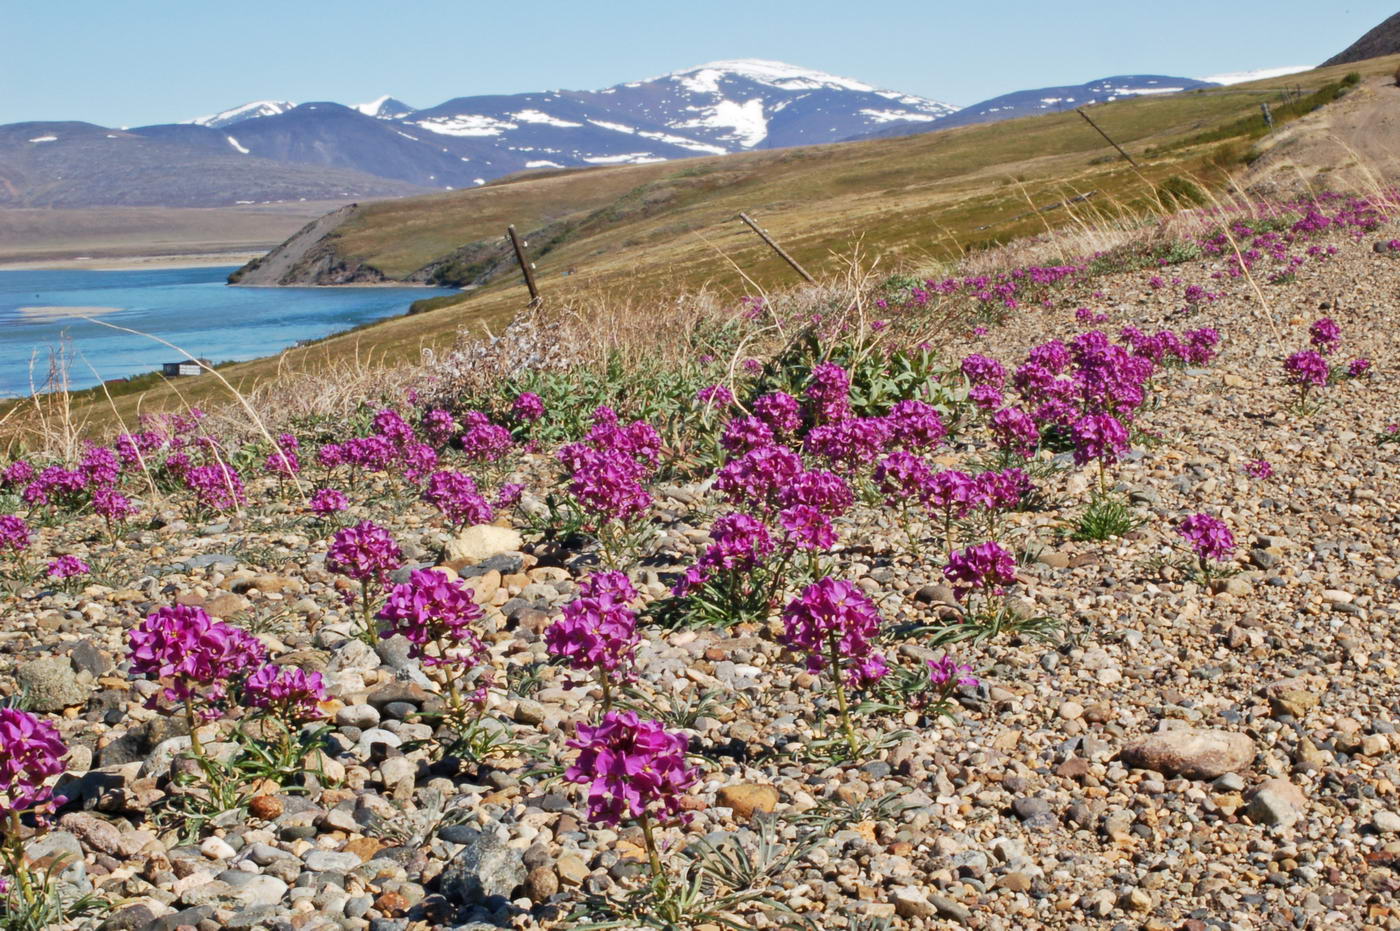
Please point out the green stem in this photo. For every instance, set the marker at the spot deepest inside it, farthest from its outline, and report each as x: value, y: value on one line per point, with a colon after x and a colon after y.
x: 607, y: 689
x: 17, y: 864
x: 652, y: 854
x: 195, y: 745
x: 835, y: 651
x: 1101, y: 479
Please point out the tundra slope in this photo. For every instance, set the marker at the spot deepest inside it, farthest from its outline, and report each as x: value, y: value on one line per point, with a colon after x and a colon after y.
x: 1025, y: 809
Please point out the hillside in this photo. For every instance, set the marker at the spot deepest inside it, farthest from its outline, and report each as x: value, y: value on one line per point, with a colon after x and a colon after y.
x: 81, y: 165
x: 928, y: 195
x: 1383, y: 39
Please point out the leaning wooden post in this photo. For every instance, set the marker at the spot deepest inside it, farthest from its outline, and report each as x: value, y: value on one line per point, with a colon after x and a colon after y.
x: 777, y: 248
x: 525, y: 265
x: 1106, y: 136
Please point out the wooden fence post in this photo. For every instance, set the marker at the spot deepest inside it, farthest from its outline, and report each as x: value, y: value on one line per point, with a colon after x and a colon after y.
x: 1106, y: 136
x: 777, y: 248
x: 525, y: 265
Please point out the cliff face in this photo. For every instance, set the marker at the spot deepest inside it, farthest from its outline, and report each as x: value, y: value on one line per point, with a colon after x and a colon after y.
x: 309, y: 258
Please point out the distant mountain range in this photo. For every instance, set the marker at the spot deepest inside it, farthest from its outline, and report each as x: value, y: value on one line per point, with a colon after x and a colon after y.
x: 278, y: 150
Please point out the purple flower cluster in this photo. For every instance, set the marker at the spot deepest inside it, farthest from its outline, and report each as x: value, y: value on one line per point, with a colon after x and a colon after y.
x: 607, y: 469
x: 290, y: 692
x: 527, y: 407
x: 193, y: 658
x: 1358, y: 367
x: 1015, y: 431
x: 1307, y: 369
x: 431, y: 609
x: 113, y: 506
x: 633, y: 768
x: 987, y: 567
x: 484, y: 441
x: 717, y: 397
x: 216, y: 487
x: 14, y: 533
x: 780, y: 411
x: 1208, y: 536
x: 66, y: 567
x: 366, y: 553
x: 945, y: 673
x: 832, y: 619
x: 828, y: 393
x: 455, y: 494
x: 1325, y: 335
x: 31, y: 753
x: 1259, y: 468
x: 1100, y: 437
x: 327, y: 501
x: 284, y: 460
x: 598, y: 631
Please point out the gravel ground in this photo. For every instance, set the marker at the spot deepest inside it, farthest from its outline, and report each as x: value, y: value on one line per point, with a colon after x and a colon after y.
x: 1182, y: 757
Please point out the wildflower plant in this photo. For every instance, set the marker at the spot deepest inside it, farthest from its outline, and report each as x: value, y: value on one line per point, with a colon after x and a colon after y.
x: 367, y: 554
x: 436, y: 615
x: 597, y: 633
x: 1306, y: 371
x: 635, y: 770
x: 31, y: 755
x: 835, y: 624
x: 980, y: 576
x: 1210, y: 540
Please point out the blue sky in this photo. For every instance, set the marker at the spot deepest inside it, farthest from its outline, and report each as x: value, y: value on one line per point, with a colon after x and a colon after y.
x: 133, y: 62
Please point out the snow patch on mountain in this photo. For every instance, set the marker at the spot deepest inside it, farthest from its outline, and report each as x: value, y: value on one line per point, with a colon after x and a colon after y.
x: 234, y: 142
x: 747, y: 122
x: 536, y: 116
x: 247, y: 111
x: 1239, y: 77
x: 704, y: 79
x: 468, y: 124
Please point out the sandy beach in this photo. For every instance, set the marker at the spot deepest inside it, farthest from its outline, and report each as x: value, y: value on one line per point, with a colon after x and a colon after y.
x: 130, y: 263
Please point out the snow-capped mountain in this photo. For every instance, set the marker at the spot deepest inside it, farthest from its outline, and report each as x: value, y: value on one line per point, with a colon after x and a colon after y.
x: 1239, y: 77
x: 384, y: 108
x: 247, y: 111
x: 1053, y: 99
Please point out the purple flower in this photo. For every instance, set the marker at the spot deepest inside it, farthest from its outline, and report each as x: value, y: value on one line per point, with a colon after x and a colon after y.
x: 833, y: 619
x: 65, y: 567
x: 916, y: 424
x: 216, y: 487
x: 632, y: 767
x: 432, y: 609
x: 1325, y: 335
x: 484, y: 441
x: 946, y: 673
x: 758, y: 476
x: 598, y: 631
x: 742, y: 434
x: 716, y: 396
x: 290, y: 691
x: 527, y: 407
x: 365, y: 552
x: 14, y: 533
x: 1000, y: 491
x: 825, y: 491
x: 829, y: 391
x: 455, y: 494
x: 439, y: 426
x: 1200, y: 345
x: 780, y: 411
x: 1015, y: 430
x: 193, y: 657
x: 1208, y: 536
x: 986, y: 567
x: 328, y: 501
x: 100, y: 466
x: 18, y: 472
x: 851, y: 443
x: 903, y: 478
x: 508, y: 496
x: 1359, y: 367
x: 986, y: 396
x: 982, y: 370
x: 951, y: 492
x: 1259, y: 468
x: 805, y: 527
x: 113, y: 506
x: 1099, y: 436
x: 1306, y: 369
x: 739, y: 543
x: 31, y: 753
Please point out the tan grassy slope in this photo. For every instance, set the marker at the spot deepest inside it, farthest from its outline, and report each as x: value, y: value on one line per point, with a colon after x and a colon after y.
x: 646, y: 233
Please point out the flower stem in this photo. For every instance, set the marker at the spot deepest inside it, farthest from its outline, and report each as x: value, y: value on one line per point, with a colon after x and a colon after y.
x: 195, y: 745
x: 652, y: 855
x: 15, y: 847
x: 607, y: 689
x: 834, y: 649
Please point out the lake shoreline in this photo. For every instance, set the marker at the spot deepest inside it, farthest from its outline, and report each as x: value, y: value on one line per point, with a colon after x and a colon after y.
x: 131, y: 263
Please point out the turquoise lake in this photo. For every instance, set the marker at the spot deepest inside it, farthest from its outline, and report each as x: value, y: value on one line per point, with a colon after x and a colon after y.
x: 190, y: 307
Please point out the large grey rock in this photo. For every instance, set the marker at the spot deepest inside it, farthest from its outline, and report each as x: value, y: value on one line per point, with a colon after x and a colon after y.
x: 485, y: 868
x: 50, y: 684
x: 1278, y: 803
x: 1195, y: 753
